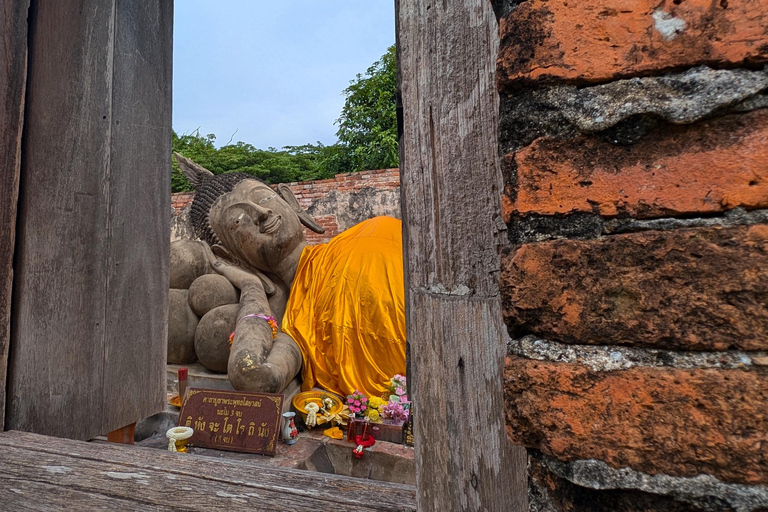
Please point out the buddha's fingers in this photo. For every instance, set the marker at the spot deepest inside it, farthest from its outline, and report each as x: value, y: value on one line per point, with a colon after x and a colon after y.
x: 237, y: 275
x: 258, y: 362
x: 248, y: 372
x: 285, y: 360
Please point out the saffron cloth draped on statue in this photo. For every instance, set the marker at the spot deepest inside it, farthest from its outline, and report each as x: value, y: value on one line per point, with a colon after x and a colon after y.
x: 347, y: 309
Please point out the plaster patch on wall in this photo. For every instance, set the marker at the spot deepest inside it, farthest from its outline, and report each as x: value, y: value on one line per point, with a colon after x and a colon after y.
x: 667, y: 25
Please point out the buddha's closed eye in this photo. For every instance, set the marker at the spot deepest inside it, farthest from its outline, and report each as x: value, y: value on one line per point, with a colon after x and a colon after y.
x: 264, y: 200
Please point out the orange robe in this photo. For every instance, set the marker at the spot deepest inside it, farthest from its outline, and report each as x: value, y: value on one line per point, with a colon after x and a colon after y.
x: 346, y: 309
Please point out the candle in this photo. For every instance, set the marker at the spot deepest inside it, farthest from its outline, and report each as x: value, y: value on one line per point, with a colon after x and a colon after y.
x: 182, y: 383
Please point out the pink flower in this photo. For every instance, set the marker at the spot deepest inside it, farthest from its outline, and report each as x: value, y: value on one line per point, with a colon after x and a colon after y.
x: 399, y: 391
x: 404, y: 398
x: 357, y: 402
x: 363, y: 399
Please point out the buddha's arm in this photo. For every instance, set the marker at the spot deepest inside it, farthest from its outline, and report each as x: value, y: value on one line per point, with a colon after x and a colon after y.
x: 257, y: 361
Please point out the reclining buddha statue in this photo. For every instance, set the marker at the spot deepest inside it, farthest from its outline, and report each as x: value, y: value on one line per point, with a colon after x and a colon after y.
x: 333, y: 312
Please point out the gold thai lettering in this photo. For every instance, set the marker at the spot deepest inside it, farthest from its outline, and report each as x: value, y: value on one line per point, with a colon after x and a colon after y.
x: 263, y: 430
x: 213, y: 426
x: 243, y: 402
x: 200, y: 424
x: 227, y: 426
x: 188, y: 423
x: 240, y: 428
x: 251, y: 428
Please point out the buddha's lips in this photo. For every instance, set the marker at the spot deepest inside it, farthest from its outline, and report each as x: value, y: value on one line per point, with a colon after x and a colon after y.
x: 271, y: 225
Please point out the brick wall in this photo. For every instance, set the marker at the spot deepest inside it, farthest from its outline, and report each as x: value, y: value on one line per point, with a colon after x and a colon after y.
x: 337, y: 203
x: 634, y: 136
x: 341, y: 202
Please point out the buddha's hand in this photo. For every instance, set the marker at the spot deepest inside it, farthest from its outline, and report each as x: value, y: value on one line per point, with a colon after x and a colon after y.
x: 238, y: 276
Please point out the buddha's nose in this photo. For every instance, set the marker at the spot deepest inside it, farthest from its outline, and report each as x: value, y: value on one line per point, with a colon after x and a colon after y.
x: 261, y: 213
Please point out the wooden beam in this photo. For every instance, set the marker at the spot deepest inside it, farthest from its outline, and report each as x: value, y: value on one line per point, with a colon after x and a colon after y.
x: 96, y: 476
x: 139, y: 221
x: 90, y: 293
x: 13, y: 79
x: 451, y: 187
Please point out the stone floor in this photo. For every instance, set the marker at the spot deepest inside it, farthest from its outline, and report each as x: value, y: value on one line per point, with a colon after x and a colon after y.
x: 387, y: 462
x: 313, y: 451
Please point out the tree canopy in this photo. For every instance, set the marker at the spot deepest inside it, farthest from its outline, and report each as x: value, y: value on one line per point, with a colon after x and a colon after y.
x: 367, y: 139
x: 368, y: 122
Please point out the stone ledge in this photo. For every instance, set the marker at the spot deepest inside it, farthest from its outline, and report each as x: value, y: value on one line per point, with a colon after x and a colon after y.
x: 703, y: 491
x: 625, y: 110
x: 582, y: 226
x: 604, y: 358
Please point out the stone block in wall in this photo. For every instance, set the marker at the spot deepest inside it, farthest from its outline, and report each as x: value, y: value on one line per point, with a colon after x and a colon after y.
x: 697, y: 288
x: 707, y: 167
x: 655, y: 420
x: 601, y: 40
x: 593, y: 486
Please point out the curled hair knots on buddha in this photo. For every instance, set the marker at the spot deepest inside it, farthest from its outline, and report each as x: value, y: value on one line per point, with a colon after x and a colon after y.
x: 206, y: 194
x: 208, y: 188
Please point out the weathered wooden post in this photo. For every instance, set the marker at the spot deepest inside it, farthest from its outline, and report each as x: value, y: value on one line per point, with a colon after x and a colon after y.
x: 451, y: 188
x: 13, y: 76
x: 91, y: 266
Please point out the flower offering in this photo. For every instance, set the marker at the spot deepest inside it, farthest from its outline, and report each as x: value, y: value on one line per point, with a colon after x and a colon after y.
x: 397, y: 408
x: 357, y: 402
x: 374, y: 408
x: 398, y: 391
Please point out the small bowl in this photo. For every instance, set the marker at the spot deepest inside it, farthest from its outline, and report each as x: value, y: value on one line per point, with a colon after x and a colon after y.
x: 300, y: 401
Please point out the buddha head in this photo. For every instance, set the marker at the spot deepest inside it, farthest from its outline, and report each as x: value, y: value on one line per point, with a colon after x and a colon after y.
x: 244, y: 218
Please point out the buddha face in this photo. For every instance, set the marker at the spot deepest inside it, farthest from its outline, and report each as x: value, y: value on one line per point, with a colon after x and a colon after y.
x: 256, y: 225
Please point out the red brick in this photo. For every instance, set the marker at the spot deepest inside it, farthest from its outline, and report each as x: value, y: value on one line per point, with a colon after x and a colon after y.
x: 689, y: 289
x: 600, y: 40
x: 654, y: 420
x: 703, y: 168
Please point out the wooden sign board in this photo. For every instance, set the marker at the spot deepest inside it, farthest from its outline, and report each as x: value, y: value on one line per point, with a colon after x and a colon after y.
x: 236, y: 421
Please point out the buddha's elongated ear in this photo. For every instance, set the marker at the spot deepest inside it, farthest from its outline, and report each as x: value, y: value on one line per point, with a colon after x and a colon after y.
x: 304, y: 217
x: 194, y: 173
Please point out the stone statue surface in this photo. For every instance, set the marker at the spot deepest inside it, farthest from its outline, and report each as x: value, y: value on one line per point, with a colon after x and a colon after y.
x: 241, y: 273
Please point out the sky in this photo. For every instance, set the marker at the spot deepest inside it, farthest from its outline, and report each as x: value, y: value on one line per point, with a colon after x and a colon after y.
x: 271, y: 73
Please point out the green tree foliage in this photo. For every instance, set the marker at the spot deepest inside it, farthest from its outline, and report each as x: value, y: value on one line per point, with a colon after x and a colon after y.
x: 367, y: 139
x: 292, y: 163
x: 368, y: 122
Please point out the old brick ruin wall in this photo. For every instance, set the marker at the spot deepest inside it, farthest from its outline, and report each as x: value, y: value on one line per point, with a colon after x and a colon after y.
x: 337, y: 203
x: 634, y: 140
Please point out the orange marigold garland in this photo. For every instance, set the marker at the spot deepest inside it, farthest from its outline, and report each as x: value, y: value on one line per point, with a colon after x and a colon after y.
x: 270, y: 320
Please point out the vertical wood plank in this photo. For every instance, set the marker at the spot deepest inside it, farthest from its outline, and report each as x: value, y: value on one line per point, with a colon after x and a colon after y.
x: 13, y: 79
x: 57, y: 336
x: 450, y: 184
x: 138, y: 222
x: 92, y: 245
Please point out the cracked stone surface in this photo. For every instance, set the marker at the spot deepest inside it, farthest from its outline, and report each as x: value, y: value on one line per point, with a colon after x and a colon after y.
x: 704, y: 491
x: 627, y: 109
x: 611, y: 358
